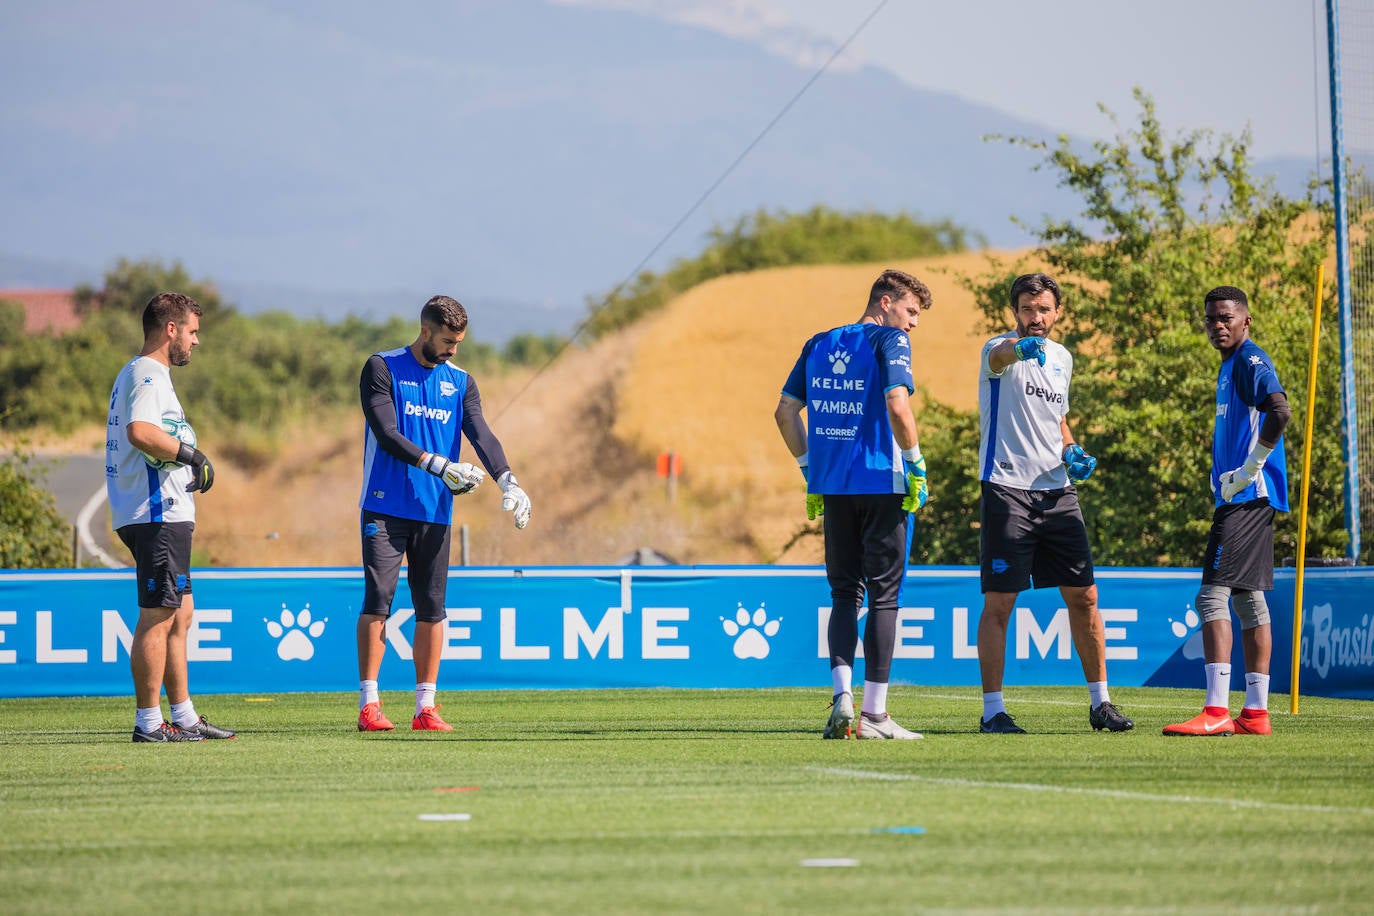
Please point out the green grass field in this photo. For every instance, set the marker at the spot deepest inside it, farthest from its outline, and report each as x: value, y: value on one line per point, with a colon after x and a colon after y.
x: 685, y: 801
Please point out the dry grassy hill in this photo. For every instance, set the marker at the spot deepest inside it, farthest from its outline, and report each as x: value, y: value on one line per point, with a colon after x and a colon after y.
x: 701, y: 379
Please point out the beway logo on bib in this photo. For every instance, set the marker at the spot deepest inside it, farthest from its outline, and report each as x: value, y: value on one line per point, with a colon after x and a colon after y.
x: 429, y: 413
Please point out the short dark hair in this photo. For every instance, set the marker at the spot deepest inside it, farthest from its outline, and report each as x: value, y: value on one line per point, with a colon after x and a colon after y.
x: 896, y: 284
x: 165, y: 307
x: 1227, y: 294
x: 1035, y: 284
x: 445, y: 311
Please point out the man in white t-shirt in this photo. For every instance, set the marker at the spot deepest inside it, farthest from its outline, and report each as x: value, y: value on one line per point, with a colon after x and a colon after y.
x: 1032, y: 529
x: 152, y: 472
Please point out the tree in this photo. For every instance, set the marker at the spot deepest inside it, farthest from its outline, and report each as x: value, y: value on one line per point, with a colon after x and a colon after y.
x: 33, y: 535
x: 1164, y: 220
x: 130, y: 284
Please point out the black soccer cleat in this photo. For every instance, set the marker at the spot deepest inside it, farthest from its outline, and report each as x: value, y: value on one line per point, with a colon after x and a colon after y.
x: 163, y: 733
x: 206, y: 730
x: 1000, y: 724
x: 1107, y: 716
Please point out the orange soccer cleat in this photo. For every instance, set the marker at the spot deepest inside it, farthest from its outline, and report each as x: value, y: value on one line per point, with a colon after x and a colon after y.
x: 1213, y: 720
x: 1253, y: 722
x: 371, y: 719
x: 428, y: 721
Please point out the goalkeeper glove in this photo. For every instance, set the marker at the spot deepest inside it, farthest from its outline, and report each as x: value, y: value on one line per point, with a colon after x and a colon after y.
x: 1031, y: 348
x: 804, y: 462
x: 202, y: 471
x: 514, y: 499
x: 458, y: 476
x: 1232, y: 482
x: 815, y: 505
x: 916, y: 490
x: 1078, y: 463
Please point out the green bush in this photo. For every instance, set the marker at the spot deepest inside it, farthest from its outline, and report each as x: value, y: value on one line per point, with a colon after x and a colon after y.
x: 1166, y: 219
x: 33, y: 534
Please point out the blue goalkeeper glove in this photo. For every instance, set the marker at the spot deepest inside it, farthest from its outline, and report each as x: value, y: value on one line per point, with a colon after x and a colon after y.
x: 917, y: 492
x: 1078, y: 463
x: 1031, y: 348
x: 804, y: 462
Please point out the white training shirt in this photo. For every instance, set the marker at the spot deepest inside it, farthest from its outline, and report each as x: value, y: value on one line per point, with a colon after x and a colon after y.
x: 1020, y: 409
x: 138, y: 492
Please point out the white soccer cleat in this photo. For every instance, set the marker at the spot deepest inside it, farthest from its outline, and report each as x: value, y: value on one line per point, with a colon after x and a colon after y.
x: 841, y: 716
x: 882, y: 726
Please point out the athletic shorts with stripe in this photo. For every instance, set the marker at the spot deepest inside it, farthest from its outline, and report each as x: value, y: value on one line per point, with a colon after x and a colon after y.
x: 162, y: 558
x: 1032, y: 538
x: 1240, y: 548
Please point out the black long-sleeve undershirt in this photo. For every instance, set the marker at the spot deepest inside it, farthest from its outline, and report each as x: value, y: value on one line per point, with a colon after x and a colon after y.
x: 1276, y: 417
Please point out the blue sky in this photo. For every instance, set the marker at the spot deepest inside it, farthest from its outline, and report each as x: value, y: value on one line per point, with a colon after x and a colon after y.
x: 1224, y: 64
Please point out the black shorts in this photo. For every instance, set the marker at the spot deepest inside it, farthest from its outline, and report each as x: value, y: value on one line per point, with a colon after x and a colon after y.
x: 1033, y: 537
x: 1240, y: 548
x: 425, y: 545
x: 162, y: 557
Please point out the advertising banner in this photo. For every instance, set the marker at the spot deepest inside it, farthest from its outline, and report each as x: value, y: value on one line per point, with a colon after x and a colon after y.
x: 67, y: 633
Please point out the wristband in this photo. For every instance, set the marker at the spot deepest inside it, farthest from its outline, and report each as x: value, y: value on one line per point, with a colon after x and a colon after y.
x: 912, y: 454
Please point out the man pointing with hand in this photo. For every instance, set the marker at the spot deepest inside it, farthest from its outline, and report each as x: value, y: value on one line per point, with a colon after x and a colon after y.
x: 1032, y: 529
x: 418, y: 407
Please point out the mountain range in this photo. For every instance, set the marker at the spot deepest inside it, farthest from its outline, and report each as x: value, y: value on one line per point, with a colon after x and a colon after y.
x: 328, y: 158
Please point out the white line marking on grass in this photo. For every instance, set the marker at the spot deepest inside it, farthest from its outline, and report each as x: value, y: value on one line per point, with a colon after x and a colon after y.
x: 829, y: 863
x: 1070, y: 790
x: 446, y: 817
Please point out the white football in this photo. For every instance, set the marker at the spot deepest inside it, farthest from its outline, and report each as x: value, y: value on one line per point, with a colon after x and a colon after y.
x: 178, y: 429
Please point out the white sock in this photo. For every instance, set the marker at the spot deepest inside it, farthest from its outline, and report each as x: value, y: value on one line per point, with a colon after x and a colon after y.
x: 424, y: 696
x: 1218, y: 684
x: 1256, y: 691
x: 367, y: 693
x: 184, y: 713
x: 875, y: 698
x: 148, y: 720
x: 1097, y: 693
x: 842, y: 676
x: 992, y: 704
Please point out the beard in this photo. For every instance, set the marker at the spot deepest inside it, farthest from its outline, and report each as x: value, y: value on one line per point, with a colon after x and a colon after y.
x: 431, y: 355
x: 178, y: 355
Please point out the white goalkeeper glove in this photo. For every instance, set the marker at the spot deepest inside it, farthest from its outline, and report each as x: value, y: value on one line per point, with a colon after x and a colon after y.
x: 514, y: 499
x: 458, y: 476
x: 1232, y: 482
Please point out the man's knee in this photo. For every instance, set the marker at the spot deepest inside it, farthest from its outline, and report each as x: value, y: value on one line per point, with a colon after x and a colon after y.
x: 1213, y: 602
x: 1252, y: 609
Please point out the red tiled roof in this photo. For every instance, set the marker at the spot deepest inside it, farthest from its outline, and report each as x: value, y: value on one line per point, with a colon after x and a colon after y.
x: 45, y: 310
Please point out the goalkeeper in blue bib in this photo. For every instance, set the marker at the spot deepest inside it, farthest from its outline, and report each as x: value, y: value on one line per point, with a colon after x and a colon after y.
x: 1032, y: 530
x: 865, y: 475
x: 419, y: 407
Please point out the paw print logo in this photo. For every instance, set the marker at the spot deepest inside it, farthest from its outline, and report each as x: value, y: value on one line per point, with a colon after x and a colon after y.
x: 295, y: 633
x: 750, y: 631
x: 1192, y: 649
x: 839, y: 362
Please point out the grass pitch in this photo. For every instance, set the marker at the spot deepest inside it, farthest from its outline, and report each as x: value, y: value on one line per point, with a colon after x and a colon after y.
x: 684, y: 801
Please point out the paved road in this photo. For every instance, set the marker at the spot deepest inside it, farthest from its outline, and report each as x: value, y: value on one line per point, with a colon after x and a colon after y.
x: 73, y: 480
